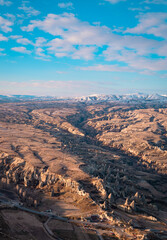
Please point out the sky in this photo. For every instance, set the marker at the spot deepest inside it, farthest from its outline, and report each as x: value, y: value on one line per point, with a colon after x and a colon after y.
x: 83, y: 47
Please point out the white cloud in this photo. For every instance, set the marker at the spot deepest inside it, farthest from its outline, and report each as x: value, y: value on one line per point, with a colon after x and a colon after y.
x: 68, y: 5
x: 5, y: 25
x: 136, y: 51
x: 134, y: 65
x: 155, y: 2
x: 162, y: 51
x: 3, y: 38
x: 20, y: 15
x: 151, y: 23
x: 4, y: 2
x: 24, y: 41
x: 40, y: 52
x: 139, y: 9
x: 40, y: 41
x: 107, y: 68
x: 1, y: 52
x: 30, y: 11
x: 15, y: 36
x: 114, y: 1
x: 142, y: 46
x: 21, y: 40
x: 71, y: 29
x: 151, y: 65
x: 80, y: 40
x: 84, y: 53
x: 72, y: 32
x: 59, y: 48
x: 10, y: 16
x: 42, y: 58
x: 23, y: 16
x: 21, y: 50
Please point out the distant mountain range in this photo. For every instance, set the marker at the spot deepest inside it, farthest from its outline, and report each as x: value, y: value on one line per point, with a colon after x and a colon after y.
x: 20, y: 98
x: 88, y: 99
x: 123, y: 98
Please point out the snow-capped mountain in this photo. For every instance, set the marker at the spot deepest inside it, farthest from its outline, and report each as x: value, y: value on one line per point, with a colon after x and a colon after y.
x: 122, y: 98
x: 136, y: 97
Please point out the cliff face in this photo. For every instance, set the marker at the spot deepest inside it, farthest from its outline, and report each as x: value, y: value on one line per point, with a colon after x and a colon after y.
x: 24, y: 177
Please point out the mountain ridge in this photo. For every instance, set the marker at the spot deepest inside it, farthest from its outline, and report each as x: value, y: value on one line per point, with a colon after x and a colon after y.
x: 90, y: 98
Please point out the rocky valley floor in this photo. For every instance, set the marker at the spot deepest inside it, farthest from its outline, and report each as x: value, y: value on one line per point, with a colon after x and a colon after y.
x: 102, y: 168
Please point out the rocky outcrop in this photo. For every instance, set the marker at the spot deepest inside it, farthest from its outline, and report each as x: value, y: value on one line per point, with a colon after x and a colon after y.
x: 98, y: 183
x: 24, y: 177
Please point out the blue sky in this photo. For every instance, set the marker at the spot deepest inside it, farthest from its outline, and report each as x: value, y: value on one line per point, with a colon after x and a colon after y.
x: 75, y: 48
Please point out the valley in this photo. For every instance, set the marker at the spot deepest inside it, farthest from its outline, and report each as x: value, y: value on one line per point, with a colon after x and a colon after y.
x: 101, y: 167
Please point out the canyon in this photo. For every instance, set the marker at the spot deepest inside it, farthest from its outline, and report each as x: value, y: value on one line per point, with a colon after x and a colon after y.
x: 101, y: 166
